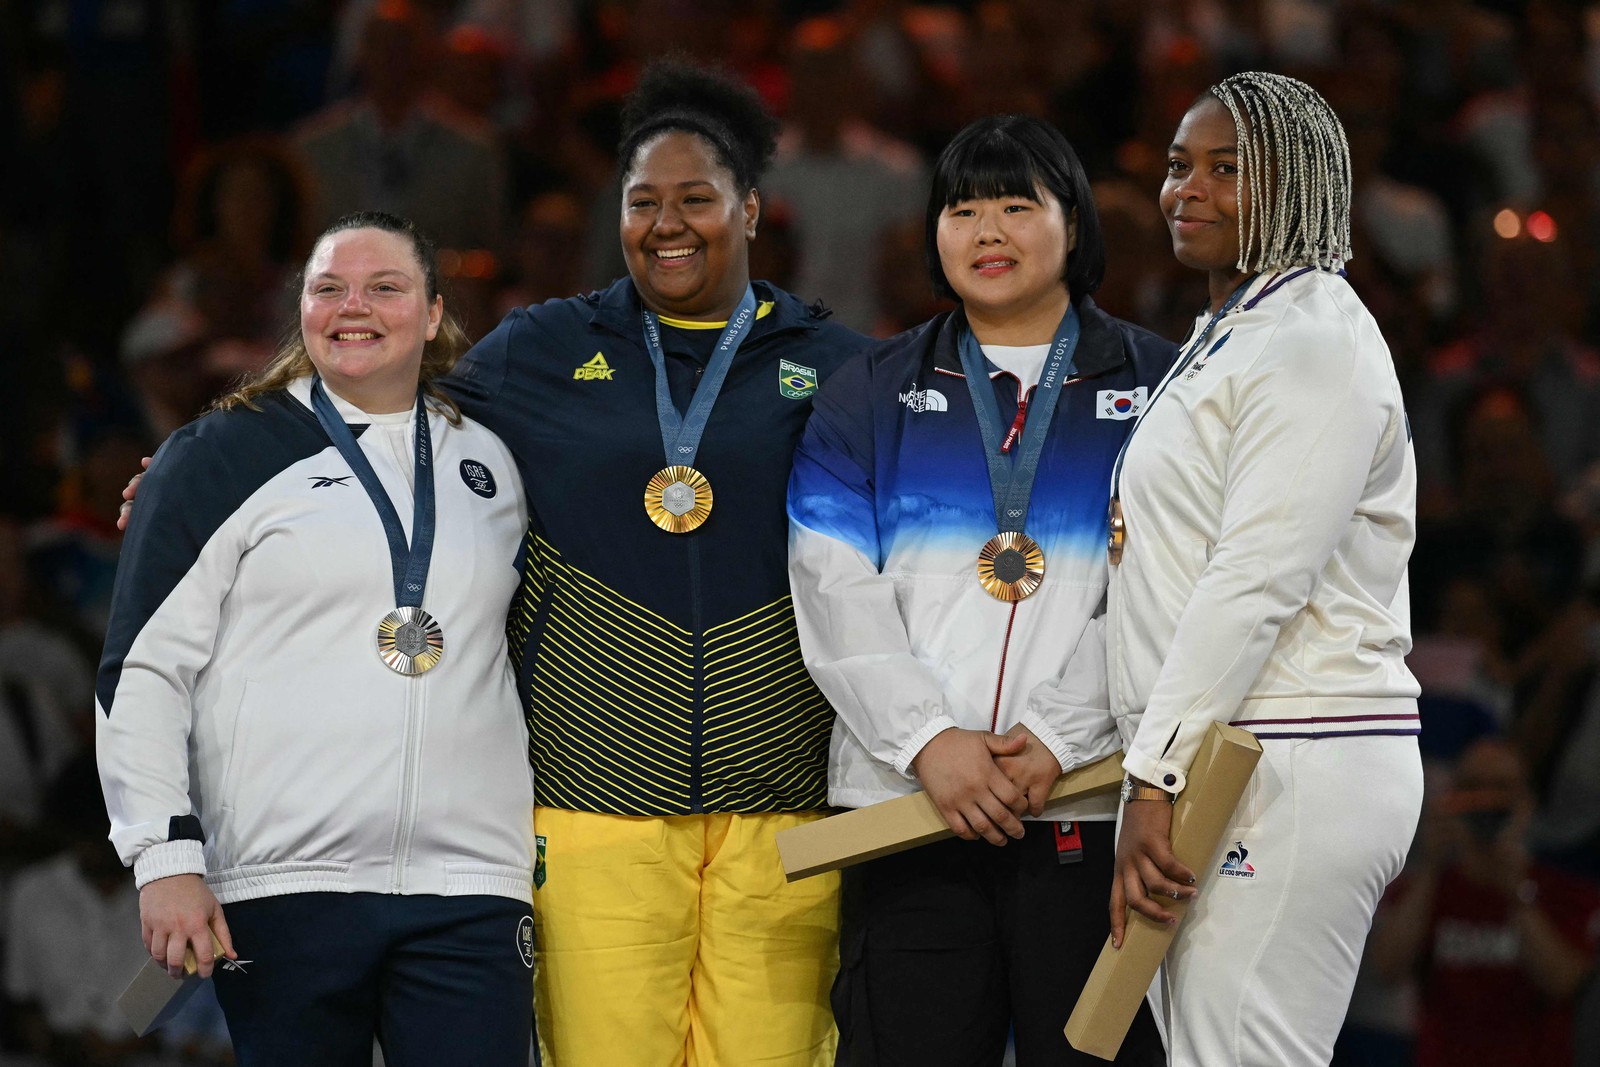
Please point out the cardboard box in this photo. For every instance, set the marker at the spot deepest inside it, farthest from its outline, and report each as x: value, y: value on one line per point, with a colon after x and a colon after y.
x: 154, y: 996
x: 1121, y: 977
x: 906, y: 822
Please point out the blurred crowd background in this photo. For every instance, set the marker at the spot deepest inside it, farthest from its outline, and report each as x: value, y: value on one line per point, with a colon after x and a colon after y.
x: 166, y: 162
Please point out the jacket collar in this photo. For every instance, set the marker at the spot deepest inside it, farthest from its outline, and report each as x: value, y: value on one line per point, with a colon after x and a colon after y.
x: 617, y: 308
x: 1099, y: 349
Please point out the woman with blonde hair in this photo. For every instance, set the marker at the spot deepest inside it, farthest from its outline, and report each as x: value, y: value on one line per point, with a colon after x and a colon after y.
x: 309, y: 738
x: 1262, y: 513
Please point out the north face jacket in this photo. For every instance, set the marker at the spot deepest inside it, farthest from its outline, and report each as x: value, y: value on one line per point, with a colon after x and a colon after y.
x: 889, y: 504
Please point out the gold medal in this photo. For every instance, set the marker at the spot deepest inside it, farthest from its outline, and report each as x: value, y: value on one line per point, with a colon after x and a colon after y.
x: 1011, y: 566
x: 410, y: 641
x: 678, y: 499
x: 1118, y: 535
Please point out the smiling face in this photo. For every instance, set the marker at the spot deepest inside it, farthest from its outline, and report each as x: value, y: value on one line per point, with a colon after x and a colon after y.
x: 365, y: 317
x: 1200, y: 196
x: 686, y: 228
x: 1005, y: 256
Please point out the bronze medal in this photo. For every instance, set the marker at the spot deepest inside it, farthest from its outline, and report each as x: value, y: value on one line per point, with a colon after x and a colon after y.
x: 1117, y: 536
x: 1011, y: 566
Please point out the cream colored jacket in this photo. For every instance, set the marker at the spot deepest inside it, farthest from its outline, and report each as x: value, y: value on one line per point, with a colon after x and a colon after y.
x: 1269, y: 494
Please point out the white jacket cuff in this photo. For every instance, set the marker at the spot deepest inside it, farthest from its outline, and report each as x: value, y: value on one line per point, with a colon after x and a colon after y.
x: 1170, y: 769
x: 930, y: 729
x: 1066, y: 755
x: 1158, y: 772
x: 167, y: 859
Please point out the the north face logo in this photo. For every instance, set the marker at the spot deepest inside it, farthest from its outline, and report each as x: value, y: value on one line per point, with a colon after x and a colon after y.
x: 920, y: 400
x: 597, y: 369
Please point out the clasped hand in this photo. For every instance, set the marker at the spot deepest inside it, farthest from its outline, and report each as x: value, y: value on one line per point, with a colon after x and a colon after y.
x: 983, y: 782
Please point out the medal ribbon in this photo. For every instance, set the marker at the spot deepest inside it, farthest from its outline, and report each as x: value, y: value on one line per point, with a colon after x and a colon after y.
x: 680, y: 434
x: 1010, y: 481
x: 408, y: 563
x: 1177, y: 369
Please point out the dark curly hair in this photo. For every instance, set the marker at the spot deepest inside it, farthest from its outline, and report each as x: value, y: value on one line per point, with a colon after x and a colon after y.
x: 677, y: 94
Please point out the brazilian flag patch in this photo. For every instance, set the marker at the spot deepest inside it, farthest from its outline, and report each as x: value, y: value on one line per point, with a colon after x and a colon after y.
x: 538, y: 861
x: 796, y: 382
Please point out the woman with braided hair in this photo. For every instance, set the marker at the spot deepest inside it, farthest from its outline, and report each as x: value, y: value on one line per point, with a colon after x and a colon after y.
x: 1262, y: 516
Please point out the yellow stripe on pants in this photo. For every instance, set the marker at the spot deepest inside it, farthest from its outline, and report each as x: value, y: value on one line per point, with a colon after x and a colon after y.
x: 676, y: 941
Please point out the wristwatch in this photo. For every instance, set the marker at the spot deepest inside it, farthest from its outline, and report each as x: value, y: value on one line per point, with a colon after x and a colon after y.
x: 1134, y: 790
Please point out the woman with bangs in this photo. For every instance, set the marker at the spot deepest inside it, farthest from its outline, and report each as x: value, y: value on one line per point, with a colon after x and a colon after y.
x: 947, y: 532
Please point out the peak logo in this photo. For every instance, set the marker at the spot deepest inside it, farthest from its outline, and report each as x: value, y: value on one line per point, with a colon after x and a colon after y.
x: 920, y: 400
x: 596, y: 370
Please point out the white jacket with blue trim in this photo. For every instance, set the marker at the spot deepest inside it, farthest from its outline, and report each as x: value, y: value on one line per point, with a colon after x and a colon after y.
x: 889, y: 504
x: 1269, y: 495
x: 248, y: 729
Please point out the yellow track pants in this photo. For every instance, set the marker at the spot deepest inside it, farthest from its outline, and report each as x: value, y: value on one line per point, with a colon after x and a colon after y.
x: 675, y: 940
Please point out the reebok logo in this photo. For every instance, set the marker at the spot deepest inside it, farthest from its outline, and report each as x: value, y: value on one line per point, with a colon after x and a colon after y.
x: 323, y: 481
x: 596, y: 370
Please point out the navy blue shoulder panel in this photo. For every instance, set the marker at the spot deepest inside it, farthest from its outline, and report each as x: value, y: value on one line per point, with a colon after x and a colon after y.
x: 1151, y: 353
x: 199, y: 478
x: 842, y: 345
x: 488, y: 368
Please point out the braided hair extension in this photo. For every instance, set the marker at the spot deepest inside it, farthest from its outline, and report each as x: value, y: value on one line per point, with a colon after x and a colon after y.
x: 1293, y: 152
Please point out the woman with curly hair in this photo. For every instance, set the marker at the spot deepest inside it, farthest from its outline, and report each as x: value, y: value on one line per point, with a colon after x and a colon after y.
x: 674, y: 727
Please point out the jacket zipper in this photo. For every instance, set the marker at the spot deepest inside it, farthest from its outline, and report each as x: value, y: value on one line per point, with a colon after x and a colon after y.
x: 696, y: 722
x: 1012, y: 436
x: 1000, y: 683
x: 405, y: 828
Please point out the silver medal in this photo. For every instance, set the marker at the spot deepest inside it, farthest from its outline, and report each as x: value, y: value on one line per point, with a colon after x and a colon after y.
x: 410, y: 641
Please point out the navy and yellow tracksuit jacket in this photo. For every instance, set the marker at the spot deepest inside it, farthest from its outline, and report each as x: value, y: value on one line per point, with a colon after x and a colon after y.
x: 661, y: 672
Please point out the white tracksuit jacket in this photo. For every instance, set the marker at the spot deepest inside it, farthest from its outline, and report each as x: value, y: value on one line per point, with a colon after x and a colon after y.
x: 248, y: 730
x: 1269, y: 496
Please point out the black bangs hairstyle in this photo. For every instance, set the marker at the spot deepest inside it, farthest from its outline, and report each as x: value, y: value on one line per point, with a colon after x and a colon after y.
x: 1016, y: 155
x: 678, y: 95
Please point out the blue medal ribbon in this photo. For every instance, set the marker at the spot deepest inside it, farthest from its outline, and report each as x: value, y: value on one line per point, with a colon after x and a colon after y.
x: 680, y: 434
x: 1011, y: 481
x: 408, y: 563
x: 1177, y: 369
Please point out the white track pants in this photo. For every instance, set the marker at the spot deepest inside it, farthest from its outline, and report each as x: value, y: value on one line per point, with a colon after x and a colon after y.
x: 1261, y: 970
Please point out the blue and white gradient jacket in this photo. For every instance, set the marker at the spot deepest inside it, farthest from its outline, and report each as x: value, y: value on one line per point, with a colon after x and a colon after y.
x: 889, y: 504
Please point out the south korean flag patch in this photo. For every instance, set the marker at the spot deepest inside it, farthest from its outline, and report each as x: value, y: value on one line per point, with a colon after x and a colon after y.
x: 1120, y: 403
